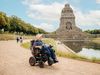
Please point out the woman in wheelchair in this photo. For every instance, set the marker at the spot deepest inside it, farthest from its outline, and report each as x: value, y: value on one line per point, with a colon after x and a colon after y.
x: 41, y: 53
x: 45, y: 48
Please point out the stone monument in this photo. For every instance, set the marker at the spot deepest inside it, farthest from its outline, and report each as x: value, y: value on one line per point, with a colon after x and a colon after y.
x: 68, y: 29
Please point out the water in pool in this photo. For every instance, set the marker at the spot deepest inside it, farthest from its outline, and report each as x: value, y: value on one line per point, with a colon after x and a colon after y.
x: 87, y: 49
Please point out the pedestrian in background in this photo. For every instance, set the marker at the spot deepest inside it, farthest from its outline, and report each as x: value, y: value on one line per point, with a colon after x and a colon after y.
x: 21, y: 39
x: 17, y: 39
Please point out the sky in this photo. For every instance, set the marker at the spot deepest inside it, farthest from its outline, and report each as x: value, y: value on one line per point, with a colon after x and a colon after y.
x: 46, y: 14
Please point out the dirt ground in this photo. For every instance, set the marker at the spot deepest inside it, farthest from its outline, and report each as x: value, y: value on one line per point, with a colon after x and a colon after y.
x: 14, y: 61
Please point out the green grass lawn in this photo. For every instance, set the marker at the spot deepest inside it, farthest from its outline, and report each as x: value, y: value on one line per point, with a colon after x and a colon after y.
x: 9, y: 36
x: 6, y: 37
x: 96, y: 40
x: 26, y: 45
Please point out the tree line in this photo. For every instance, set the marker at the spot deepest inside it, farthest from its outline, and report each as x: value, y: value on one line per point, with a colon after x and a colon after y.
x: 14, y: 24
x: 96, y: 31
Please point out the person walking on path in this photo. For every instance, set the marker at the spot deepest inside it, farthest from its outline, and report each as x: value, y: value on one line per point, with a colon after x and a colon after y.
x: 17, y: 39
x: 21, y: 39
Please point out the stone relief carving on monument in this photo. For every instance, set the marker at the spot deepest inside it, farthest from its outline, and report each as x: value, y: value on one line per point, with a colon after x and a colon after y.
x: 68, y: 26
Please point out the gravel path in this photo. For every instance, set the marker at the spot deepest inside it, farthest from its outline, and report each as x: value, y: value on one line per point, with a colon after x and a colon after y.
x: 14, y: 61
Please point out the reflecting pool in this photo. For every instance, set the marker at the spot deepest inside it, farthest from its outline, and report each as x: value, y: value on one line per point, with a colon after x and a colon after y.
x: 87, y: 49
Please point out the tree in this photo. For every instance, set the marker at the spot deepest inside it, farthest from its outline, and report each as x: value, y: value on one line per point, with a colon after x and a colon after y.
x: 15, y: 24
x: 96, y: 31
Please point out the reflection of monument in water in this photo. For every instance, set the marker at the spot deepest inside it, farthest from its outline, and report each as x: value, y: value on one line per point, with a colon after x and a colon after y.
x: 76, y: 46
x: 68, y: 29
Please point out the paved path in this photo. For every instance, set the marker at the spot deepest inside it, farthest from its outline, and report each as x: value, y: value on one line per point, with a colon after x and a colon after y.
x: 14, y: 61
x: 63, y: 48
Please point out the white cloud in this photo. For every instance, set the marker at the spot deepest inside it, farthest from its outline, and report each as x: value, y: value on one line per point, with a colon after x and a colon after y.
x: 46, y: 26
x: 91, y: 18
x: 49, y: 13
x: 98, y: 1
x: 27, y: 2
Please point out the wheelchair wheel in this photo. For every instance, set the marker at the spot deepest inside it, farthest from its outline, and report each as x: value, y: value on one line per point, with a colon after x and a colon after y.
x: 41, y: 64
x: 32, y: 61
x: 50, y: 61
